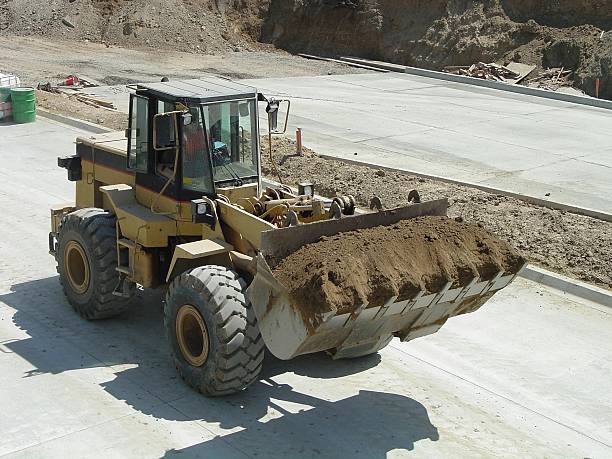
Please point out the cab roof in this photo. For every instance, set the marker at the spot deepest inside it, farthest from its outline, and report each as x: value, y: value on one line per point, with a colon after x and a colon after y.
x: 202, y: 90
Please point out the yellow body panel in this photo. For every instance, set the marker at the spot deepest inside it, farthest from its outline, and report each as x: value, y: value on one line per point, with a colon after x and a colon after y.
x: 243, y: 229
x: 137, y: 223
x: 240, y: 192
x: 197, y: 250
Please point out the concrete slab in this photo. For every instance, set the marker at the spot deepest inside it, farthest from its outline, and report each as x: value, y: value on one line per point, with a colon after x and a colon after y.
x: 519, y: 143
x: 528, y: 375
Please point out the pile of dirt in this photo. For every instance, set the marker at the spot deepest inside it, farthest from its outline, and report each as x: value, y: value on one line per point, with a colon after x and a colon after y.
x: 553, y: 239
x: 440, y: 33
x: 342, y: 272
x: 207, y: 26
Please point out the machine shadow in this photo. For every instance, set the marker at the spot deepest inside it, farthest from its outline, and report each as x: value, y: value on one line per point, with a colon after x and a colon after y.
x: 132, y: 350
x: 369, y: 424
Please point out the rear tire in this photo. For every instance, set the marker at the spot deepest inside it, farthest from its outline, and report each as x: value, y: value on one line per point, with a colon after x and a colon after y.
x: 86, y: 257
x: 212, y: 330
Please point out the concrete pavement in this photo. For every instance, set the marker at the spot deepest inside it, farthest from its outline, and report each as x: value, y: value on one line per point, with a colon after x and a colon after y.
x: 528, y: 375
x: 542, y: 148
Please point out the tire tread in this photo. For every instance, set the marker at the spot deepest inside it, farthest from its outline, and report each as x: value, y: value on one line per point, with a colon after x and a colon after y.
x: 240, y: 348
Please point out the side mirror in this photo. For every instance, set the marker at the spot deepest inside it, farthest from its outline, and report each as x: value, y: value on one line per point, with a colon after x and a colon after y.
x: 272, y: 110
x: 243, y: 109
x: 165, y: 133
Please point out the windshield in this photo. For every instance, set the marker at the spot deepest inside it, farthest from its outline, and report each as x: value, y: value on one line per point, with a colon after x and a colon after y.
x: 232, y: 131
x: 230, y: 137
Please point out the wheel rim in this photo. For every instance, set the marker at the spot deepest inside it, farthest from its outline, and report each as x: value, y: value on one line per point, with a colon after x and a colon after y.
x: 192, y: 335
x: 77, y: 267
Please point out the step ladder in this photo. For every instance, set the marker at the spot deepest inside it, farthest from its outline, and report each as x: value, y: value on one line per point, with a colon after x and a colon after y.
x: 125, y: 247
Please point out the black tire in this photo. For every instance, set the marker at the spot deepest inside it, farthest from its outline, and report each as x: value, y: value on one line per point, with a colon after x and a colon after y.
x: 91, y: 233
x: 235, y: 349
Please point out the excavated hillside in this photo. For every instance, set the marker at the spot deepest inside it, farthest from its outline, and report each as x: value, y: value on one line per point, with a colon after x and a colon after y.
x: 573, y: 34
x: 206, y: 26
x: 436, y: 33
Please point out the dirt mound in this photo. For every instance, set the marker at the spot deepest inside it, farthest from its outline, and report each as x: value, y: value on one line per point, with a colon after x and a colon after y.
x: 556, y: 240
x: 207, y: 26
x: 440, y: 33
x: 342, y: 272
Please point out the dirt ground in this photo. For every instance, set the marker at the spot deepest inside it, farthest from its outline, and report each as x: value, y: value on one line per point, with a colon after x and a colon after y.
x: 342, y: 272
x: 36, y: 60
x: 62, y: 105
x: 556, y: 240
x: 206, y: 26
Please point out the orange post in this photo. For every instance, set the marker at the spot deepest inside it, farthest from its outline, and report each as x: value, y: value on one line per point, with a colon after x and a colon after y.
x: 597, y: 85
x: 298, y: 138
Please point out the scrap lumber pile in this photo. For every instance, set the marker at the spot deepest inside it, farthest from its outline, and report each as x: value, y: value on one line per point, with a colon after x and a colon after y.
x: 484, y: 71
x: 93, y: 101
x: 72, y: 88
x: 513, y: 73
x: 552, y: 79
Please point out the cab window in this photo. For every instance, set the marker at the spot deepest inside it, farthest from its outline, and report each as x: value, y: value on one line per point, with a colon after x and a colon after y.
x: 232, y: 132
x: 138, y: 134
x: 196, y: 162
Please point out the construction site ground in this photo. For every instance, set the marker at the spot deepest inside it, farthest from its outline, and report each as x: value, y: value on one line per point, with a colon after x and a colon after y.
x: 533, y: 146
x: 528, y: 375
x: 37, y: 60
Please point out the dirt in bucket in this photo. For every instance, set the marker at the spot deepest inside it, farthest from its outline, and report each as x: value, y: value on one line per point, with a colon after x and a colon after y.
x: 344, y: 271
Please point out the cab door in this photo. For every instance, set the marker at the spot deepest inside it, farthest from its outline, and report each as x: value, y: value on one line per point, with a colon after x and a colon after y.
x: 157, y: 183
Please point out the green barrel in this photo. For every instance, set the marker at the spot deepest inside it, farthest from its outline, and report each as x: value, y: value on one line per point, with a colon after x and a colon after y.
x: 5, y: 94
x: 24, y: 105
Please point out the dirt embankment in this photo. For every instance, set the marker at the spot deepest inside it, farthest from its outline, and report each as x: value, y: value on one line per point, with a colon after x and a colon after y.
x: 429, y: 34
x: 206, y: 26
x: 437, y: 33
x: 342, y: 272
x: 556, y: 240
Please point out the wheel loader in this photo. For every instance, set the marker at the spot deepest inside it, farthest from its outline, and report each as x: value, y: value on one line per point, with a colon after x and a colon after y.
x: 178, y: 201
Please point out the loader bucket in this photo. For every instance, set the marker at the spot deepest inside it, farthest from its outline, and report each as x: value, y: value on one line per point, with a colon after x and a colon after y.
x: 364, y: 329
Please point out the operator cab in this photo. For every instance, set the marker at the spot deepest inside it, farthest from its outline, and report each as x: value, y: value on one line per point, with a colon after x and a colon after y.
x: 192, y: 138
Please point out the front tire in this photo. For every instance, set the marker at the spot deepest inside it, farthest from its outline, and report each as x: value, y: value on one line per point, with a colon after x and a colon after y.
x: 212, y: 330
x: 86, y: 257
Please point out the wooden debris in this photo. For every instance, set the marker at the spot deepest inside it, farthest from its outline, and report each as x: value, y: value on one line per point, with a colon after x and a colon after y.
x: 72, y: 87
x: 552, y: 79
x: 73, y: 92
x: 524, y: 70
x: 492, y: 71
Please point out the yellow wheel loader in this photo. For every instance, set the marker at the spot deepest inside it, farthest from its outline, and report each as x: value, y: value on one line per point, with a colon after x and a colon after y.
x: 177, y: 201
